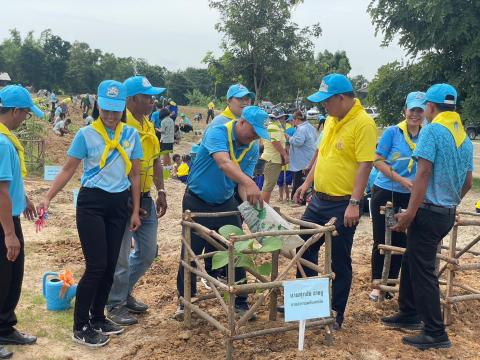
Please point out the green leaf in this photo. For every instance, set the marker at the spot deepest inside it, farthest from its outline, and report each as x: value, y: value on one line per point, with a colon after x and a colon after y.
x: 270, y: 244
x: 226, y: 296
x: 243, y: 245
x: 227, y: 230
x: 244, y: 261
x: 219, y: 259
x: 265, y: 269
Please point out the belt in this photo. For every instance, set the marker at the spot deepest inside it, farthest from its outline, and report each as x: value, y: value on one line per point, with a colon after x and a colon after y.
x: 145, y: 194
x: 327, y: 197
x: 438, y: 209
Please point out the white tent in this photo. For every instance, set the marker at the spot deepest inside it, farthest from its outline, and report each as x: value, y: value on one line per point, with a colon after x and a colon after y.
x: 5, y: 77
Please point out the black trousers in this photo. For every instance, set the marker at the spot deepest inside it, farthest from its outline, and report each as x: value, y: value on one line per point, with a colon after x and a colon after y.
x: 210, y: 115
x: 11, y: 277
x: 320, y: 212
x: 379, y: 198
x: 419, y: 290
x: 101, y: 221
x: 195, y: 204
x: 298, y: 180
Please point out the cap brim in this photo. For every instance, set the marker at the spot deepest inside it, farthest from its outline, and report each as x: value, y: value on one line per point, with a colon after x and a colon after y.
x: 37, y: 112
x: 261, y: 132
x: 319, y: 96
x: 154, y: 91
x: 111, y: 104
x: 416, y: 104
x: 243, y: 93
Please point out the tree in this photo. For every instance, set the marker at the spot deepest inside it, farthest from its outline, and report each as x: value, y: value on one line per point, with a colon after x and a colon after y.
x: 57, y: 54
x: 445, y: 35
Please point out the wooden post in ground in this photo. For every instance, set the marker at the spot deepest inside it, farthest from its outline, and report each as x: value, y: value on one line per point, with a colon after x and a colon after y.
x: 327, y: 268
x: 231, y: 300
x: 272, y: 316
x: 447, y: 307
x: 388, y: 211
x: 187, y: 283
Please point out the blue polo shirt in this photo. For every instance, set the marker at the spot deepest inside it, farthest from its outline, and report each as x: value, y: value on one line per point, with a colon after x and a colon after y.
x: 88, y: 146
x: 10, y: 172
x: 391, y: 142
x: 206, y: 180
x: 155, y: 119
x: 450, y: 165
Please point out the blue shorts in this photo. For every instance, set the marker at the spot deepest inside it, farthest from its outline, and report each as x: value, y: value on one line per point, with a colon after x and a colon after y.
x: 259, y: 181
x: 285, y: 178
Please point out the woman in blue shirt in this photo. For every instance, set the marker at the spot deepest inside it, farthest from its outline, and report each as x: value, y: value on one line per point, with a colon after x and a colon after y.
x: 111, y: 153
x: 394, y: 181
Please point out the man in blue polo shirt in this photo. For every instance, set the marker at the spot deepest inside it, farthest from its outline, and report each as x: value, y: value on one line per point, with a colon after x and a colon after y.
x: 15, y: 106
x: 444, y: 175
x: 226, y: 157
x: 238, y: 97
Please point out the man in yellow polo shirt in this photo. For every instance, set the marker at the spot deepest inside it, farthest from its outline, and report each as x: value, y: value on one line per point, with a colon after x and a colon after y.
x: 131, y: 265
x: 340, y: 174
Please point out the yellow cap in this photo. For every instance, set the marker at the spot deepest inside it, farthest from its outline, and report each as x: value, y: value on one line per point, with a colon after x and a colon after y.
x: 477, y: 205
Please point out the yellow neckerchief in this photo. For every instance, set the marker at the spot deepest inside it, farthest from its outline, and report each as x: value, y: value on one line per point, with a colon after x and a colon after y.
x: 333, y: 125
x: 404, y: 127
x: 113, y: 144
x: 18, y: 146
x: 145, y: 130
x: 228, y: 113
x: 236, y: 160
x: 451, y: 120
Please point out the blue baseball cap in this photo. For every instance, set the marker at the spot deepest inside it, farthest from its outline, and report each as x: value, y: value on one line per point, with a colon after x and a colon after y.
x: 332, y: 84
x: 140, y: 85
x: 112, y: 95
x: 16, y: 96
x: 239, y: 91
x: 441, y: 94
x: 258, y: 119
x: 415, y: 99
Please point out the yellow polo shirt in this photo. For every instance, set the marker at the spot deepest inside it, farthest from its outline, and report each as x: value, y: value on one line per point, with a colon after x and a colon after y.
x: 277, y: 133
x: 211, y: 106
x: 150, y: 147
x: 344, y: 144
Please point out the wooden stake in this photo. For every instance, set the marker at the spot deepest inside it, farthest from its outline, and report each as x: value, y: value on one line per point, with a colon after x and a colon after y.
x: 447, y: 308
x: 272, y: 316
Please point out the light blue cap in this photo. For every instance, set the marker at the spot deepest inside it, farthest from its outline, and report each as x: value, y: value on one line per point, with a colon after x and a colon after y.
x: 289, y: 118
x: 140, y: 85
x: 332, y: 84
x: 258, y: 119
x: 112, y: 95
x: 16, y: 96
x: 415, y: 99
x: 439, y: 93
x: 239, y: 91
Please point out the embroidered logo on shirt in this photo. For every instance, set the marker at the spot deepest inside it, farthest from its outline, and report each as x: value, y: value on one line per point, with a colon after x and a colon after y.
x: 340, y: 145
x: 323, y: 87
x: 126, y: 144
x: 112, y: 92
x: 146, y: 83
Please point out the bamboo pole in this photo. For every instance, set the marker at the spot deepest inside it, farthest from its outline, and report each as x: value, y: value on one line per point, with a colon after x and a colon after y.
x: 399, y: 250
x: 460, y: 298
x: 261, y: 234
x: 476, y: 253
x: 187, y: 290
x: 304, y: 262
x: 467, y: 267
x: 231, y: 301
x: 386, y: 288
x: 272, y: 316
x: 388, y: 255
x: 461, y: 252
x: 468, y: 222
x: 461, y: 286
x: 206, y: 276
x: 202, y: 229
x: 447, y: 309
x: 203, y: 297
x: 215, y: 214
x: 468, y: 213
x: 204, y: 316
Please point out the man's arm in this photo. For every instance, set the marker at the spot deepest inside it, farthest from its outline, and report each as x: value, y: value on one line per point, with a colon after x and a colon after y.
x: 467, y: 185
x: 352, y: 213
x: 161, y: 203
x: 11, y: 241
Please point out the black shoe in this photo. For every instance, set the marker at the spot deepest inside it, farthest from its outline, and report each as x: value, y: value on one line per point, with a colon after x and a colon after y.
x: 241, y: 309
x: 424, y: 342
x: 89, y: 337
x: 106, y: 327
x: 337, y: 326
x: 135, y: 306
x: 120, y: 316
x: 179, y: 313
x: 5, y: 354
x: 17, y: 338
x: 399, y: 321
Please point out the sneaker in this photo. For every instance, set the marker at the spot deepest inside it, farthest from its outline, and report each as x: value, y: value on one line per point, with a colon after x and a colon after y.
x: 135, y: 306
x: 179, y: 313
x: 89, y: 337
x: 106, y: 327
x: 400, y: 321
x: 424, y: 341
x: 5, y: 354
x: 119, y: 315
x: 241, y: 309
x: 205, y: 283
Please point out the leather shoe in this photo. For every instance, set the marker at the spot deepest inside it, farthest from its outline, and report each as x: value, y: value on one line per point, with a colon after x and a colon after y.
x: 401, y: 321
x: 17, y: 338
x: 5, y: 354
x: 424, y: 341
x: 135, y: 306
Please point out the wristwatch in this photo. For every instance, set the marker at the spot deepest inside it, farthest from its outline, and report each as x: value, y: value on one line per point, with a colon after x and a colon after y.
x: 354, y: 202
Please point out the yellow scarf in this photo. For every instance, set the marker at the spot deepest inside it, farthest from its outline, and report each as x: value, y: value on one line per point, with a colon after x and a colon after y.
x: 18, y: 146
x: 228, y: 113
x: 333, y: 125
x: 404, y: 127
x: 236, y: 160
x: 147, y: 133
x: 451, y: 120
x: 98, y: 126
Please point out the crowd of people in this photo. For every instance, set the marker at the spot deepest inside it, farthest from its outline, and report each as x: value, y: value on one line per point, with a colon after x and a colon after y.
x: 426, y: 170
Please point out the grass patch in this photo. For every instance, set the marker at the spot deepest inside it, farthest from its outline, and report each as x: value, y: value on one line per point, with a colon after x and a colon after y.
x: 476, y: 184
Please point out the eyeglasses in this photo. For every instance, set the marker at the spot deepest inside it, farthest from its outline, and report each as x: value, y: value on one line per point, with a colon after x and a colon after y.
x: 29, y: 114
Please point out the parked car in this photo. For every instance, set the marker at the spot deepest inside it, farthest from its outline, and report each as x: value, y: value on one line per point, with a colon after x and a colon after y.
x: 313, y: 113
x: 372, y: 111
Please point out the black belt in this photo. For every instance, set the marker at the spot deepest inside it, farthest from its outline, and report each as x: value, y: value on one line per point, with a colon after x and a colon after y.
x: 438, y: 209
x: 327, y: 197
x: 145, y: 194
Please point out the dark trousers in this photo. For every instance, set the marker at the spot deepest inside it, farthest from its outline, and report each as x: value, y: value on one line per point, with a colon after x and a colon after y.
x: 210, y: 115
x: 198, y: 244
x: 379, y: 198
x: 320, y: 212
x: 11, y: 277
x: 101, y: 221
x: 419, y: 291
x: 298, y: 179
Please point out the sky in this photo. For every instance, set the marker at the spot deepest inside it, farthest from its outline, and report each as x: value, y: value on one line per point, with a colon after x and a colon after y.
x: 178, y: 33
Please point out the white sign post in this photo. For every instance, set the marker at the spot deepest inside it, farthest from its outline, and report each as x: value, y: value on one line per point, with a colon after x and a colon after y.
x: 50, y: 172
x: 306, y: 299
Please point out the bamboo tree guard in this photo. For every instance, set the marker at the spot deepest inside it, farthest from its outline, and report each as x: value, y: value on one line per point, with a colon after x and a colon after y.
x: 450, y: 267
x: 235, y: 329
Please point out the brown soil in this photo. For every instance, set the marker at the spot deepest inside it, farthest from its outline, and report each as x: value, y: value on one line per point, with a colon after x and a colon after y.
x: 158, y: 336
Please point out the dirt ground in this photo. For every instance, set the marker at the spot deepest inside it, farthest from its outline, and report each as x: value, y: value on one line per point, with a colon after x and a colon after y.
x: 158, y: 336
